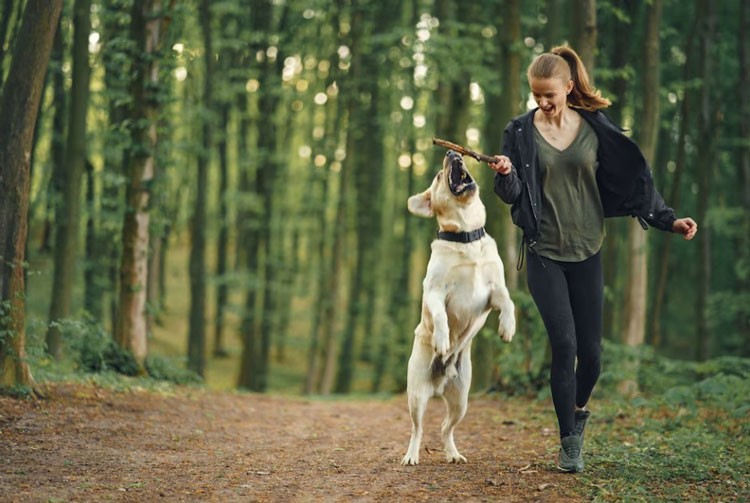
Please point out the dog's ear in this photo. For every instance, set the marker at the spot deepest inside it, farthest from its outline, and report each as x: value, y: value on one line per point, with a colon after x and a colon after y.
x: 421, y: 204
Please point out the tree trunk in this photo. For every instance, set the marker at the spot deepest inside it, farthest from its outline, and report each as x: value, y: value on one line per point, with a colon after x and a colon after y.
x: 222, y: 242
x: 394, y: 349
x: 615, y: 242
x: 115, y: 18
x: 365, y: 158
x: 68, y: 220
x: 500, y: 108
x: 257, y: 336
x: 147, y: 29
x: 511, y: 104
x: 655, y: 336
x: 57, y: 154
x: 706, y: 168
x: 321, y: 241
x: 584, y: 37
x: 197, y: 330
x: 637, y: 285
x: 743, y: 165
x: 19, y: 105
x: 93, y: 292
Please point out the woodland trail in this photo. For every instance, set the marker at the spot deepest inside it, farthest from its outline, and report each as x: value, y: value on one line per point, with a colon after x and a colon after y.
x: 86, y: 443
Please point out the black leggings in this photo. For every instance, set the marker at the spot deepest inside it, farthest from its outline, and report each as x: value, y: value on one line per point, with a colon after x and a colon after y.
x: 570, y: 296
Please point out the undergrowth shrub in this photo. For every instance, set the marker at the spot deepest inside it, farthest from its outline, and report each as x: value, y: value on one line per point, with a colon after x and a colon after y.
x: 685, y: 437
x: 523, y: 365
x: 171, y: 369
x: 94, y: 349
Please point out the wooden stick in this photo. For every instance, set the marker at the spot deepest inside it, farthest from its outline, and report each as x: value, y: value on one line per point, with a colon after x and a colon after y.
x: 463, y: 150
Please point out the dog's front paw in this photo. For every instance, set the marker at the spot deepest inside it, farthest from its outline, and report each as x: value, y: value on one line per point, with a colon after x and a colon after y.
x: 440, y: 343
x: 507, y: 327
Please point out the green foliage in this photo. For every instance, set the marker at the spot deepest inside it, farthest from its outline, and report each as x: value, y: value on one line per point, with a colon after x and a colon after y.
x: 686, y: 438
x: 522, y: 362
x: 20, y: 392
x: 171, y: 370
x: 94, y: 349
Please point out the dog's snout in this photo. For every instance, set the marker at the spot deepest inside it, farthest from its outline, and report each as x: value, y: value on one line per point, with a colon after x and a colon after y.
x: 452, y: 155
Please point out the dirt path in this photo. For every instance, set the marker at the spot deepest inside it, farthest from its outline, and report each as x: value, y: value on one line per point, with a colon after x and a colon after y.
x: 91, y: 444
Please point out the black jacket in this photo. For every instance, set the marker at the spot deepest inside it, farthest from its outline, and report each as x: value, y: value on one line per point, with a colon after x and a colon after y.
x: 626, y: 186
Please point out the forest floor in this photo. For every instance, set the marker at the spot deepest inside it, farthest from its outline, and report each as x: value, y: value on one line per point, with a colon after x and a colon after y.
x: 88, y: 443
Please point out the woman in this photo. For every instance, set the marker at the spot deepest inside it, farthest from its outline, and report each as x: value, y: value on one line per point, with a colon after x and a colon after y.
x: 565, y: 167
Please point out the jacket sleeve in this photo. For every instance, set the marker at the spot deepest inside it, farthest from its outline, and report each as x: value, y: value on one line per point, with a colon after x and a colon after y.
x: 508, y: 187
x: 656, y: 212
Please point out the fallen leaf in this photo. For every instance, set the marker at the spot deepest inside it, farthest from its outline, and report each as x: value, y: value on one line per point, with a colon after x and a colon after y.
x: 542, y: 487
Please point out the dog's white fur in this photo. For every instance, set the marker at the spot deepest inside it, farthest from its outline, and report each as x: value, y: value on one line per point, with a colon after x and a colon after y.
x: 464, y: 281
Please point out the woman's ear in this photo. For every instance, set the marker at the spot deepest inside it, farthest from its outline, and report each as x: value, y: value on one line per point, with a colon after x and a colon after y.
x: 569, y: 87
x: 421, y: 204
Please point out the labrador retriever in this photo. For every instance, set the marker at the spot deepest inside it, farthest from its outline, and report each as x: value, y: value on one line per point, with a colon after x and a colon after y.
x: 463, y: 283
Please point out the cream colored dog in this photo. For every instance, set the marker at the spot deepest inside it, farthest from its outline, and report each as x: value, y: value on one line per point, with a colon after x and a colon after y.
x: 464, y: 281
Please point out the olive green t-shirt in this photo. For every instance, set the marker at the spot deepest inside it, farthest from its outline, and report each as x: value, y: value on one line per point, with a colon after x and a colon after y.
x: 572, y: 223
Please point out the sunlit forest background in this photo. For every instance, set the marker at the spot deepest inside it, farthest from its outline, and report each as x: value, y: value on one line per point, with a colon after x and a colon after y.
x: 218, y: 188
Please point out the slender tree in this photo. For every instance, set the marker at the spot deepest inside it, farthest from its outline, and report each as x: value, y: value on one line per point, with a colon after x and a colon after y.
x: 637, y: 284
x: 585, y: 32
x: 502, y: 104
x: 321, y: 238
x: 365, y: 158
x: 257, y: 335
x: 330, y: 339
x: 19, y: 105
x: 57, y: 154
x: 707, y: 114
x: 197, y: 330
x: 117, y: 47
x: 637, y: 289
x: 614, y: 250
x: 743, y: 166
x: 148, y: 25
x: 393, y: 348
x: 68, y: 220
x: 685, y: 118
x: 227, y: 55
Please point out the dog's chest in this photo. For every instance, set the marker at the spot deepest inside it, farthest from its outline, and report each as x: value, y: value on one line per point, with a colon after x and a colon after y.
x: 469, y: 287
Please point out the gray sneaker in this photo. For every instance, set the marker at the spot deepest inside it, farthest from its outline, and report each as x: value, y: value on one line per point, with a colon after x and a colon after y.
x: 581, y: 417
x: 570, y: 458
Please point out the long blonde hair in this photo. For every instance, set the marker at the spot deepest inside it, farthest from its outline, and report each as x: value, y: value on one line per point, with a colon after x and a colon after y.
x: 564, y: 63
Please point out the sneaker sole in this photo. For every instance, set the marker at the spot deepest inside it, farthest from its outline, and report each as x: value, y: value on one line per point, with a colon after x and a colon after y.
x: 569, y: 470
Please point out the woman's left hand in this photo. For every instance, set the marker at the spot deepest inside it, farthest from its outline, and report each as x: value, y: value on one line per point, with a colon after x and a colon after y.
x: 685, y: 226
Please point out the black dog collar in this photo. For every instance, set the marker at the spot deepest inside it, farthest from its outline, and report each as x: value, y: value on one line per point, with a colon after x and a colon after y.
x: 462, y: 237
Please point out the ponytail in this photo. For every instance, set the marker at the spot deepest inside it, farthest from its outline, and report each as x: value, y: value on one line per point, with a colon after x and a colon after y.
x: 563, y: 62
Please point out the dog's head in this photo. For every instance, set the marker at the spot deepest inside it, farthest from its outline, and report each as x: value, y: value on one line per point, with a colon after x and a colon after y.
x: 453, y: 198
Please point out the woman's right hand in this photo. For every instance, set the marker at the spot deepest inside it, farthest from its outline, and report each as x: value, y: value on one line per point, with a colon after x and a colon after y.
x: 502, y: 165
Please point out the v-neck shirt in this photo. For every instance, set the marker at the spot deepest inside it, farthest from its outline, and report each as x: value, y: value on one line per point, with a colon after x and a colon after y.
x: 572, y: 218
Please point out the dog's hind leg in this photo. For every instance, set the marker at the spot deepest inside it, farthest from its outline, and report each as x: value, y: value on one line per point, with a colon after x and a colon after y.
x: 417, y: 406
x: 456, y: 398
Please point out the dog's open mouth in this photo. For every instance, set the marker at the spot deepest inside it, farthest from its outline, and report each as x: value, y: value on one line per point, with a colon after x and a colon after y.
x: 459, y: 179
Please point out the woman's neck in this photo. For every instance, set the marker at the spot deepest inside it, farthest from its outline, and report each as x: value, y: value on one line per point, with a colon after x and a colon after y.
x: 559, y: 121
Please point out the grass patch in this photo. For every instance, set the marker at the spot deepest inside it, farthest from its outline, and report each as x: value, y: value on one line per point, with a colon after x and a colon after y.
x: 687, y: 442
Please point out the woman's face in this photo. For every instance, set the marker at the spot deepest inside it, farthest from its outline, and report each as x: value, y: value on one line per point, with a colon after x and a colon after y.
x: 551, y: 95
